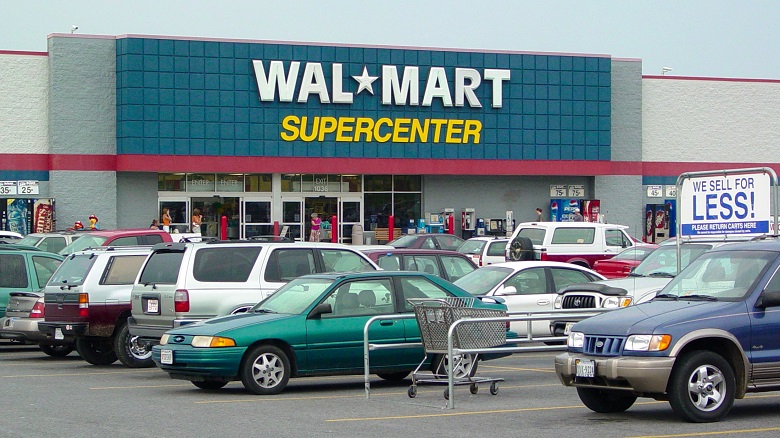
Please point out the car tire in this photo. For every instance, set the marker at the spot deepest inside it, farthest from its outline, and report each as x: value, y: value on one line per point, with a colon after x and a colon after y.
x: 129, y: 351
x: 265, y: 370
x: 57, y: 350
x: 393, y: 377
x: 521, y: 249
x: 465, y: 366
x: 605, y: 401
x: 210, y: 385
x: 702, y: 387
x: 96, y: 351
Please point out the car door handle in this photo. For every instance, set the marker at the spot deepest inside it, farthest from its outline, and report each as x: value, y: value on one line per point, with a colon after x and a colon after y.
x: 386, y: 323
x: 543, y: 302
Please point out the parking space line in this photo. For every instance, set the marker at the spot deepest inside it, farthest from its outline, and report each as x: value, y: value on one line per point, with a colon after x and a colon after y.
x: 502, y: 368
x: 713, y: 433
x: 96, y: 373
x: 100, y: 388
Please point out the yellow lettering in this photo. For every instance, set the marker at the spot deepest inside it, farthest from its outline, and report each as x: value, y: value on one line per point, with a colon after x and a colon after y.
x: 289, y: 123
x: 421, y: 130
x: 401, y: 126
x: 437, y: 124
x: 327, y: 125
x: 344, y: 128
x: 452, y: 131
x: 380, y: 122
x: 314, y: 126
x: 364, y: 125
x: 472, y: 129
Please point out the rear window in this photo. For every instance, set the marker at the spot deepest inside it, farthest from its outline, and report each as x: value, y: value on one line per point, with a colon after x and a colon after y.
x: 162, y: 267
x: 73, y: 270
x: 44, y: 268
x: 472, y: 247
x: 84, y: 242
x: 497, y: 248
x: 573, y: 236
x: 340, y: 260
x: 535, y: 234
x: 287, y: 264
x: 228, y: 265
x: 13, y: 272
x: 122, y: 269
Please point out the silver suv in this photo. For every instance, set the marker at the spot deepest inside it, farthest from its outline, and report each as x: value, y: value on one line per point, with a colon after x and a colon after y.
x: 182, y: 283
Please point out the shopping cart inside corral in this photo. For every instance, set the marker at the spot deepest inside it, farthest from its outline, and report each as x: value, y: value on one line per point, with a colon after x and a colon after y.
x: 435, y: 317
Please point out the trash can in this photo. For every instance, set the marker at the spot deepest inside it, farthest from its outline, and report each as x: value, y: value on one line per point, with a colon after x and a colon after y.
x: 357, y: 234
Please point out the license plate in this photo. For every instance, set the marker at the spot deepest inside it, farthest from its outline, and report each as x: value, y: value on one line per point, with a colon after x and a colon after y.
x: 58, y: 334
x: 585, y: 368
x: 152, y: 306
x: 568, y: 327
x: 166, y: 357
x: 9, y: 323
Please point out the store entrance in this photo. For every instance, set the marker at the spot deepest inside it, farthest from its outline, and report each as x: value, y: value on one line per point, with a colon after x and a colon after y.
x: 326, y: 208
x: 213, y: 208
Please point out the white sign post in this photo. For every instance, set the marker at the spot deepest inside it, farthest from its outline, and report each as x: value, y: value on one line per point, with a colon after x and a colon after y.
x: 725, y: 202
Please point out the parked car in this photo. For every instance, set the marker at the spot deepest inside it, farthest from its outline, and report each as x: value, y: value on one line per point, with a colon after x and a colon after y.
x: 620, y: 265
x: 311, y: 326
x: 581, y: 243
x: 10, y: 236
x: 485, y: 250
x: 427, y: 241
x: 449, y: 265
x: 528, y: 286
x: 183, y: 283
x: 25, y: 310
x: 88, y: 301
x: 24, y: 270
x: 129, y: 237
x: 52, y: 242
x: 708, y: 338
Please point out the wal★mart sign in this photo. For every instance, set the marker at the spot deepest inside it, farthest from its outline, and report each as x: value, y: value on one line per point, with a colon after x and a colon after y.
x: 725, y: 204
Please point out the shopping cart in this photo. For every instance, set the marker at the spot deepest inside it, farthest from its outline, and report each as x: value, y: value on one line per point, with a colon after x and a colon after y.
x: 435, y: 317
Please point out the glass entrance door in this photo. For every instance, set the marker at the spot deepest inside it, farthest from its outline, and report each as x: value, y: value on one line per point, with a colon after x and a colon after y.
x: 326, y: 207
x: 178, y: 208
x: 213, y: 208
x: 292, y: 218
x: 349, y: 215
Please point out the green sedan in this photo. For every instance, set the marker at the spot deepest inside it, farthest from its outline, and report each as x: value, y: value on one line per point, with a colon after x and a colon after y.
x: 311, y: 326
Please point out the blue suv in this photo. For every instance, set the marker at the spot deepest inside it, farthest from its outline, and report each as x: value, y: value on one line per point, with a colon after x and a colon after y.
x: 709, y: 337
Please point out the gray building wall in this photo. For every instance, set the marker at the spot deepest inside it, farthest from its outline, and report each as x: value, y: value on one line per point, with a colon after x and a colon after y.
x: 136, y: 199
x: 82, y: 120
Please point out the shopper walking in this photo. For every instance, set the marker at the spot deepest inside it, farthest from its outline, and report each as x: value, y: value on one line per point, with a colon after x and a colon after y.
x: 315, y: 228
x: 197, y: 220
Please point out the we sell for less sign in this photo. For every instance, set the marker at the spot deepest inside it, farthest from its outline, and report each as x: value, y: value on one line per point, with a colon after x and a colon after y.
x: 725, y: 204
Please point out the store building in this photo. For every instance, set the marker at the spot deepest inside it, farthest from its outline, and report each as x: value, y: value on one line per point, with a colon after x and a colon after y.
x: 266, y: 133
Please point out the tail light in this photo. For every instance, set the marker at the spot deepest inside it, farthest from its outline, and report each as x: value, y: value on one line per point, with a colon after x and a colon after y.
x: 543, y: 255
x: 83, y: 305
x: 181, y: 301
x: 37, y: 310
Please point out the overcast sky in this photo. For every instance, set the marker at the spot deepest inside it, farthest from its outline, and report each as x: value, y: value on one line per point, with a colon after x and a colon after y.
x: 714, y: 38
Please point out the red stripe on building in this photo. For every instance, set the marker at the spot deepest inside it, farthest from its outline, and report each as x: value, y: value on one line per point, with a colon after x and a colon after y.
x: 677, y: 168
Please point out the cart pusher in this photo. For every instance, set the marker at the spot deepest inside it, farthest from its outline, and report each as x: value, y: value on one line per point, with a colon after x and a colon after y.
x: 434, y: 318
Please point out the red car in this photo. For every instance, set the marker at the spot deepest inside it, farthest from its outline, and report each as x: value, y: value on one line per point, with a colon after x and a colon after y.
x: 620, y: 265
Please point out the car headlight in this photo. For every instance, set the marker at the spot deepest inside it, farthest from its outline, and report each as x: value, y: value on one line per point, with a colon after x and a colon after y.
x: 212, y: 342
x: 164, y: 339
x: 648, y: 342
x: 616, y: 302
x: 575, y: 340
x: 558, y: 301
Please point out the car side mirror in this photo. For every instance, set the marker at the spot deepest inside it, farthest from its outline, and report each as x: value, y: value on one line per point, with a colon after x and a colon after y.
x: 507, y: 290
x: 769, y: 298
x: 320, y: 309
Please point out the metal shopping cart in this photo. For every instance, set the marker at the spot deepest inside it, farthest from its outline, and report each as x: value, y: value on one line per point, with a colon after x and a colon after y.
x: 434, y: 317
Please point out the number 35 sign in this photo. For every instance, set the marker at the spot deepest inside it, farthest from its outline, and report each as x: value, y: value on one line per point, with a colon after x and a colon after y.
x: 19, y: 188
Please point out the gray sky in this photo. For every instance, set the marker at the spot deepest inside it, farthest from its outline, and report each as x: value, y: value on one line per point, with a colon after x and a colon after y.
x: 714, y: 38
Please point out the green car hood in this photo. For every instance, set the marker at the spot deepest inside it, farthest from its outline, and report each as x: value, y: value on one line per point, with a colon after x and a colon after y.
x: 222, y: 324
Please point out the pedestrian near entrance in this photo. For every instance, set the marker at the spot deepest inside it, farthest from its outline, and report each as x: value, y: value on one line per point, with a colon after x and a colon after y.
x: 538, y: 214
x: 166, y: 219
x: 577, y: 216
x: 155, y: 225
x: 197, y: 219
x: 315, y: 228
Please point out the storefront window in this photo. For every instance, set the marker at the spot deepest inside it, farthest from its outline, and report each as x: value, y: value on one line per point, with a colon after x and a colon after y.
x: 291, y: 182
x: 407, y: 183
x: 200, y: 182
x: 406, y: 206
x: 171, y: 182
x: 257, y: 182
x: 378, y: 183
x: 230, y: 182
x: 257, y: 212
x: 352, y: 183
x: 378, y: 207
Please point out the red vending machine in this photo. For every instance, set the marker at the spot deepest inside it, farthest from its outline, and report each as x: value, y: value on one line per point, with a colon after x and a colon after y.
x: 657, y: 221
x: 591, y: 209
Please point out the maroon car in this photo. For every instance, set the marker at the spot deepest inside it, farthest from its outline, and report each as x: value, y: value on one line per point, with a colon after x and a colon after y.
x: 449, y: 265
x: 428, y: 241
x: 620, y: 265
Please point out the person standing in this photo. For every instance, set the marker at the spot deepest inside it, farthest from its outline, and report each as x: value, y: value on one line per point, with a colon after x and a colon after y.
x: 539, y: 214
x: 197, y: 220
x: 155, y: 225
x: 166, y: 219
x: 315, y: 228
x: 577, y: 216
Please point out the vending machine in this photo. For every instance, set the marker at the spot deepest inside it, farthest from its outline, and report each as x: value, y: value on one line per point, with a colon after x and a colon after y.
x: 561, y: 210
x: 26, y: 215
x: 657, y: 223
x: 591, y: 209
x: 468, y: 222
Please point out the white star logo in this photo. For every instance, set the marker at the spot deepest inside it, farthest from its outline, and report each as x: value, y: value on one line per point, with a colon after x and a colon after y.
x: 365, y: 81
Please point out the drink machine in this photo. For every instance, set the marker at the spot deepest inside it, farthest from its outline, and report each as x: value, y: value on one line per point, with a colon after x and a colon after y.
x: 561, y: 210
x: 656, y: 223
x: 591, y: 209
x: 468, y: 223
x: 480, y: 227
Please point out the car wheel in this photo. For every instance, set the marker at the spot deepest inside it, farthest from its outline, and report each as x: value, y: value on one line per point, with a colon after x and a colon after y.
x: 209, y: 384
x: 129, y: 351
x: 393, y: 377
x: 266, y: 370
x: 521, y: 249
x: 57, y: 350
x: 465, y: 366
x: 606, y: 401
x: 702, y: 387
x: 96, y: 351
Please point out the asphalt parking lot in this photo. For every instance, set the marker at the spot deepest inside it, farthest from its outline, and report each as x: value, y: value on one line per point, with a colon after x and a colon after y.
x: 48, y: 397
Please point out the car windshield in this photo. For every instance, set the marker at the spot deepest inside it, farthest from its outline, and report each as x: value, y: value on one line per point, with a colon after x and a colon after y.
x: 404, y: 241
x: 663, y: 261
x: 483, y: 280
x: 472, y: 247
x: 720, y: 275
x: 82, y: 243
x: 72, y: 271
x: 294, y: 297
x: 638, y: 253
